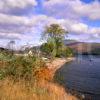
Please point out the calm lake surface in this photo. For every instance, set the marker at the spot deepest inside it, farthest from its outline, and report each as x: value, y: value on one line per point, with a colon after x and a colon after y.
x: 82, y: 75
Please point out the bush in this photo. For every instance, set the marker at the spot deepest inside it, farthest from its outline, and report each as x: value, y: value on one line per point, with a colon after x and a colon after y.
x: 49, y: 48
x: 55, y: 48
x: 68, y: 52
x: 22, y: 68
x: 2, y: 74
x: 64, y: 52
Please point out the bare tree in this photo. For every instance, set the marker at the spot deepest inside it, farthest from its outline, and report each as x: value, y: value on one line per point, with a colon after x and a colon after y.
x: 11, y: 46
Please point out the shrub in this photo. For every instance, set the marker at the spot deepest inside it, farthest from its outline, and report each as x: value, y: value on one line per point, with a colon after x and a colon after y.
x: 22, y: 68
x: 2, y: 74
x: 55, y: 48
x: 49, y: 48
x: 68, y: 52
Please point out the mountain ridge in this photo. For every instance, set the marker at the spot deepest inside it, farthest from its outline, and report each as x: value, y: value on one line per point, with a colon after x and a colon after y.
x: 83, y: 47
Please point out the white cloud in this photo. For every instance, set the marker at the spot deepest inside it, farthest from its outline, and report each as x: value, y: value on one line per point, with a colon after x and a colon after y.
x: 73, y: 9
x: 79, y: 28
x: 11, y: 4
x: 23, y: 27
x: 14, y: 24
x: 19, y: 25
x: 91, y: 10
x: 95, y: 30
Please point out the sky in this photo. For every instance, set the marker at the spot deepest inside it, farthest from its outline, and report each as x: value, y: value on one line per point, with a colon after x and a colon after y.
x: 24, y: 20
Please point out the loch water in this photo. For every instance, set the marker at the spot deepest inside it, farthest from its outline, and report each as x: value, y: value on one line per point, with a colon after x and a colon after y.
x: 82, y: 75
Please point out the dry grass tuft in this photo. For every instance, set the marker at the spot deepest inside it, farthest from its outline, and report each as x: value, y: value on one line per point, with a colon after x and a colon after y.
x: 42, y: 90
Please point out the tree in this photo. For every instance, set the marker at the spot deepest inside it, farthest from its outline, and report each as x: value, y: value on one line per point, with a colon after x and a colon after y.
x: 57, y: 34
x: 11, y: 45
x: 54, y: 31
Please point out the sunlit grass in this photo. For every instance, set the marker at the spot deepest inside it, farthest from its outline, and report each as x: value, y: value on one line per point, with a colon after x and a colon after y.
x: 42, y: 90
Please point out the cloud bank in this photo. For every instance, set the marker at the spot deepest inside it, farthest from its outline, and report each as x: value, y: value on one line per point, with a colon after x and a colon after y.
x: 20, y: 19
x: 73, y: 9
x: 74, y: 12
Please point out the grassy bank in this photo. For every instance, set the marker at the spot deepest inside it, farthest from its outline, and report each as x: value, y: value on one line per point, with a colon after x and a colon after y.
x: 30, y: 78
x: 37, y: 91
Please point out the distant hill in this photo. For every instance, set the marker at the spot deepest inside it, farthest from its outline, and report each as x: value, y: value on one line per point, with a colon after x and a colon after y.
x: 83, y: 47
